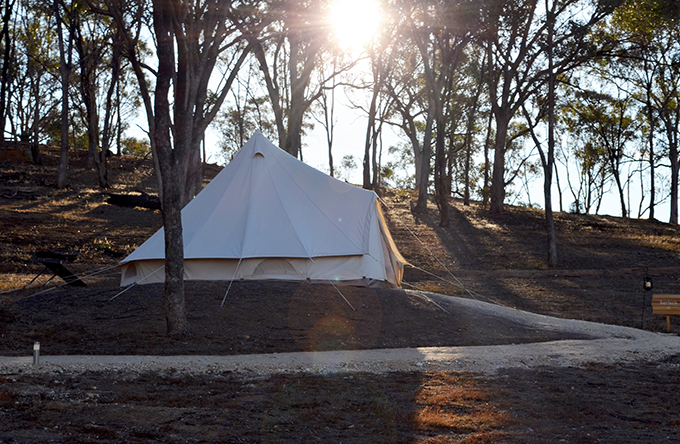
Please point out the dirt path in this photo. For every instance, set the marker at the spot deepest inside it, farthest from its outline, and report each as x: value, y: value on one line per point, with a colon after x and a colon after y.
x: 604, y: 344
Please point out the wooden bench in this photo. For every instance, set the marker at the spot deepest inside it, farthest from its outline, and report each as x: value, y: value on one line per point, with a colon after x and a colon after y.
x: 666, y: 304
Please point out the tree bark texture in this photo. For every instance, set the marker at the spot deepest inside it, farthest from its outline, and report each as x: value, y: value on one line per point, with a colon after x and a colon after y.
x: 548, y: 163
x: 6, y: 38
x: 426, y: 155
x: 175, y: 305
x: 497, y: 194
x: 675, y: 172
x: 440, y: 172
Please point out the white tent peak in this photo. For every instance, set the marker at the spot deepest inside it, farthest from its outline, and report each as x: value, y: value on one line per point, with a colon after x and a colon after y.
x: 267, y: 215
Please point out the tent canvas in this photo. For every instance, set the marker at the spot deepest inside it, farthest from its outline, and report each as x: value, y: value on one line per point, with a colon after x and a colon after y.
x: 267, y: 215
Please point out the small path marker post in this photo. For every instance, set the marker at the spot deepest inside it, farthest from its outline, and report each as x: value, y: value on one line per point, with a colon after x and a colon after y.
x: 36, y: 353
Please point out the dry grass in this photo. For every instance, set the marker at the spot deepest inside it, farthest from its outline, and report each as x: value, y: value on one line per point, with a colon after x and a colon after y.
x: 456, y: 403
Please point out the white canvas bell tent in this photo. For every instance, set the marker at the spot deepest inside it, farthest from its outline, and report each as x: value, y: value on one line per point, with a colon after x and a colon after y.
x: 267, y: 215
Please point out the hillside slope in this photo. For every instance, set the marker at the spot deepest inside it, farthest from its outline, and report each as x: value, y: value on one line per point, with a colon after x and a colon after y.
x: 500, y: 259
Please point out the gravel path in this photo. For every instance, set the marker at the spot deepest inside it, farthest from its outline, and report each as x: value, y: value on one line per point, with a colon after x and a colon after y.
x: 609, y: 345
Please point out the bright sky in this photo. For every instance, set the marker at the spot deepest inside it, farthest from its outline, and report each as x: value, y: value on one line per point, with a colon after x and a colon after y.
x: 355, y: 23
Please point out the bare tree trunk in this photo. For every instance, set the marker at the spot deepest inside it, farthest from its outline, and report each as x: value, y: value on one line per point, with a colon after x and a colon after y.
x: 468, y: 155
x: 550, y: 161
x: 328, y: 122
x: 421, y: 204
x: 175, y: 305
x: 487, y: 162
x: 6, y: 63
x: 35, y: 144
x: 65, y: 71
x: 193, y: 171
x: 293, y: 142
x: 370, y: 140
x: 498, y: 176
x: 652, y: 163
x: 440, y: 171
x: 675, y: 169
x: 468, y: 134
x: 96, y: 158
x: 109, y: 111
x: 119, y: 126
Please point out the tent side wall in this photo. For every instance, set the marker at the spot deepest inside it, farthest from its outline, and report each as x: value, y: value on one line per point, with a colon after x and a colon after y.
x: 341, y: 270
x: 394, y: 261
x: 382, y: 265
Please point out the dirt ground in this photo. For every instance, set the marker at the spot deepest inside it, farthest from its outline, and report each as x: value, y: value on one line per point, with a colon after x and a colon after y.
x: 631, y: 404
x: 497, y: 259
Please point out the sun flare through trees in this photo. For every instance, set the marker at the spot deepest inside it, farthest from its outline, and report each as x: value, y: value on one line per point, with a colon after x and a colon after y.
x: 354, y: 23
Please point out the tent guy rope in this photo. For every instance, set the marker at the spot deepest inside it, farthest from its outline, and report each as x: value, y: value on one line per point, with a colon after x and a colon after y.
x: 231, y: 282
x: 136, y: 283
x: 334, y: 286
x: 456, y: 282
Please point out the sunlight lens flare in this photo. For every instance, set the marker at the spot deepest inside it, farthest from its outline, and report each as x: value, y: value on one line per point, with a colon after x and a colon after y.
x: 354, y: 23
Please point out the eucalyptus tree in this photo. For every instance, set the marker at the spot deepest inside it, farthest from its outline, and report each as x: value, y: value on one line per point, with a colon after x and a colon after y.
x: 610, y: 123
x: 288, y: 52
x: 475, y: 72
x: 101, y: 69
x: 325, y: 114
x: 190, y: 37
x: 405, y: 87
x: 64, y: 13
x: 592, y: 175
x: 514, y: 36
x: 668, y: 105
x: 649, y: 61
x: 97, y: 44
x: 380, y: 107
x: 33, y: 76
x: 459, y: 114
x: 440, y: 30
x: 583, y: 158
x: 247, y: 111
